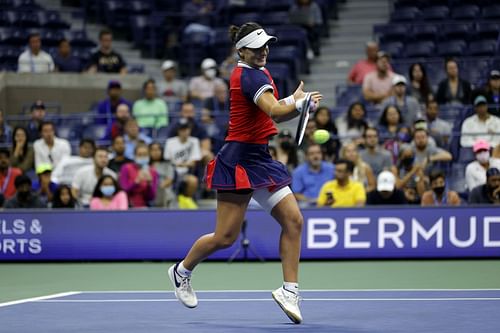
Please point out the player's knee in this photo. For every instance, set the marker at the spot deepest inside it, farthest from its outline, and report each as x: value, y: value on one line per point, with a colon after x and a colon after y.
x: 295, y: 223
x: 225, y: 241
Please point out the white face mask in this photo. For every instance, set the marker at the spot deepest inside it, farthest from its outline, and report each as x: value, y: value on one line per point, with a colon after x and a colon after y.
x: 483, y: 157
x: 211, y: 73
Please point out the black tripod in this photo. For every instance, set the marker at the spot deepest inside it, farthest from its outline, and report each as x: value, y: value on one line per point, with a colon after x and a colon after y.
x: 245, y: 246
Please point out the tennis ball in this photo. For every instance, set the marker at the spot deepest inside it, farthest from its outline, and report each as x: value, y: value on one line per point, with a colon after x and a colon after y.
x: 321, y: 136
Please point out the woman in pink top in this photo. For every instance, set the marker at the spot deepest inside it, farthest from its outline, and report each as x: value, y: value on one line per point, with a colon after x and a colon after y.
x: 108, y: 196
x: 139, y: 179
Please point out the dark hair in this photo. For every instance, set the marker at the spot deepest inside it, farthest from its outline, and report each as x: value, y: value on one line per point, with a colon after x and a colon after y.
x: 383, y: 119
x: 451, y: 59
x: 159, y: 145
x: 145, y: 84
x: 140, y: 144
x: 356, y: 123
x: 100, y: 148
x: 104, y: 31
x: 435, y: 174
x: 97, y: 189
x: 57, y: 203
x: 349, y: 164
x: 424, y: 89
x: 87, y: 140
x: 116, y: 137
x: 25, y: 146
x: 313, y: 145
x: 62, y: 40
x: 370, y: 128
x: 5, y: 151
x: 236, y: 33
x: 44, y: 123
x: 430, y: 101
x: 33, y: 34
x: 330, y: 125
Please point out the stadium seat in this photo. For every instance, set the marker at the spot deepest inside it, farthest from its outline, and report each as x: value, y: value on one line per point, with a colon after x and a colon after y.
x: 289, y: 55
x: 52, y: 20
x: 79, y: 39
x: 50, y: 37
x: 488, y: 30
x: 419, y: 49
x: 239, y: 19
x: 435, y: 13
x: 395, y: 49
x: 9, y: 55
x: 292, y: 35
x: 25, y: 4
x: 452, y: 48
x: 486, y: 47
x: 278, y: 5
x: 394, y: 32
x: 405, y: 14
x: 274, y: 18
x: 117, y: 13
x: 491, y: 12
x: 449, y: 31
x: 423, y: 32
x: 96, y: 132
x: 69, y: 132
x: 135, y: 68
x: 142, y: 7
x: 346, y: 95
x: 14, y: 37
x: 465, y: 12
x: 280, y: 74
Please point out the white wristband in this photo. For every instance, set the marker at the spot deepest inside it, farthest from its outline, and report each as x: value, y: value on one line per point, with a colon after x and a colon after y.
x: 289, y: 100
x: 298, y: 105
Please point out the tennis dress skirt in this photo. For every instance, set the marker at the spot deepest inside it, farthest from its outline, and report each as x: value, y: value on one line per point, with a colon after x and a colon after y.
x: 240, y: 166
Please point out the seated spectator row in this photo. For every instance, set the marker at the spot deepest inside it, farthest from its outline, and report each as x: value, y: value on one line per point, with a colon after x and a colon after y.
x: 50, y: 19
x: 444, y: 12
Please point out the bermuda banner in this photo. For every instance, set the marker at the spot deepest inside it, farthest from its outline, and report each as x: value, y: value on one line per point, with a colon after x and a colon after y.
x: 327, y: 234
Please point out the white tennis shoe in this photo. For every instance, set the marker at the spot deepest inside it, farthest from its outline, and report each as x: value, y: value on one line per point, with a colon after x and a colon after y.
x: 182, y: 287
x: 289, y: 303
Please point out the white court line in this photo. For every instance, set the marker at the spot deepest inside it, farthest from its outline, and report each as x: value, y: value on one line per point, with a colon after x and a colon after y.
x: 40, y: 298
x: 270, y: 300
x: 269, y: 290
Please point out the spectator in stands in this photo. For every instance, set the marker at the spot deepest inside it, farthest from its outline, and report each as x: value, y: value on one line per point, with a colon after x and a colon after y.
x: 64, y: 172
x: 377, y: 158
x: 37, y: 117
x: 63, y: 198
x: 24, y: 197
x: 362, y: 172
x: 187, y: 191
x: 353, y: 124
x: 150, y: 111
x: 198, y: 11
x: 43, y: 186
x: 377, y: 85
x: 309, y: 177
x: 5, y: 130
x: 220, y: 101
x: 475, y: 172
x: 323, y: 120
x: 426, y: 153
x: 386, y: 192
x: 106, y: 60
x: 117, y: 126
x: 488, y: 193
x: 34, y: 59
x: 307, y: 14
x: 408, y: 105
x: 108, y: 195
x: 453, y: 89
x: 85, y: 178
x: 343, y: 191
x: 228, y: 64
x: 439, y: 194
x: 139, y: 179
x: 21, y: 153
x: 203, y: 86
x: 171, y: 89
x: 492, y: 93
x: 481, y: 125
x: 133, y: 136
x: 286, y: 150
x: 8, y: 175
x: 165, y: 195
x: 49, y: 148
x: 391, y: 124
x: 419, y: 83
x: 365, y: 66
x: 183, y: 150
x: 410, y: 176
x: 214, y: 132
x: 64, y: 60
x: 119, y: 158
x: 107, y: 108
x: 439, y: 129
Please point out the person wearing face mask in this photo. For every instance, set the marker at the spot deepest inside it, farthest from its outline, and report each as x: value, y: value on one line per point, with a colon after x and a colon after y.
x: 24, y: 197
x: 475, y: 172
x: 439, y: 195
x: 108, y: 195
x: 139, y: 179
x: 203, y: 86
x: 488, y: 193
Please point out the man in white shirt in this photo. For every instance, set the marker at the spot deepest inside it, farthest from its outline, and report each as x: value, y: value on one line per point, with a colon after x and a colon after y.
x: 34, y: 59
x: 86, y: 178
x: 49, y: 148
x: 183, y: 150
x: 68, y: 166
x: 475, y: 172
x: 482, y: 125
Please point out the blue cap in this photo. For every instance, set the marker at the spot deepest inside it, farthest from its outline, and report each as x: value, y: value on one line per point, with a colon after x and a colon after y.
x: 492, y: 172
x: 480, y: 100
x: 114, y: 84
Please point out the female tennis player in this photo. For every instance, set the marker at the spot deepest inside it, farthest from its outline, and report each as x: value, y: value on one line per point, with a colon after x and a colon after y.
x: 244, y: 168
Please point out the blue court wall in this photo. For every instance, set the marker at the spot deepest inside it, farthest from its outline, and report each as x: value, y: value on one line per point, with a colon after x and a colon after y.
x: 368, y: 233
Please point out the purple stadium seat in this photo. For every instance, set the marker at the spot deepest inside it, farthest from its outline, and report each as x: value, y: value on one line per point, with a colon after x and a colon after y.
x: 435, y: 13
x: 395, y: 32
x: 455, y: 31
x: 14, y: 36
x: 452, y: 48
x: 419, y: 49
x: 488, y: 30
x: 491, y: 12
x: 79, y: 39
x: 52, y: 20
x: 405, y: 14
x: 239, y: 19
x: 487, y: 47
x: 395, y: 49
x: 51, y: 38
x: 426, y: 31
x: 289, y: 55
x: 274, y: 18
x: 465, y: 12
x: 280, y: 73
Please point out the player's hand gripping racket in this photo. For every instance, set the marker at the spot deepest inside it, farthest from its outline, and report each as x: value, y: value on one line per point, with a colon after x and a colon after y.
x: 303, y: 118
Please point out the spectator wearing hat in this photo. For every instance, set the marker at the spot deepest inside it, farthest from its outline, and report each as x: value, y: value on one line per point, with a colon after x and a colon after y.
x: 203, y: 86
x: 34, y: 59
x: 49, y: 148
x: 439, y: 195
x: 481, y: 125
x: 133, y: 136
x: 106, y: 60
x: 44, y: 187
x: 183, y: 150
x: 150, y: 111
x: 5, y: 130
x: 364, y: 66
x: 171, y: 89
x: 22, y: 155
x: 475, y: 172
x: 408, y: 105
x: 37, y: 117
x: 377, y: 85
x: 8, y: 175
x: 386, y: 192
x: 439, y: 129
x: 107, y: 108
x: 24, y: 197
x: 488, y: 193
x: 453, y: 89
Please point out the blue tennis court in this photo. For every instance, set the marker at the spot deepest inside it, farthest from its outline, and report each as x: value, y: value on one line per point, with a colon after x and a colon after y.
x: 346, y: 311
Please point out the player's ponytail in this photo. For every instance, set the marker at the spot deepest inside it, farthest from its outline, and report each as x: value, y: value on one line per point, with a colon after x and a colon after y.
x: 237, y: 33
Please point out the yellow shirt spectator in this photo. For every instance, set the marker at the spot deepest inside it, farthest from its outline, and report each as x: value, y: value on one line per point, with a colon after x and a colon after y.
x: 351, y: 195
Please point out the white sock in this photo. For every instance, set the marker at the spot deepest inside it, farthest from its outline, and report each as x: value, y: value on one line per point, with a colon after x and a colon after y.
x: 291, y: 286
x: 183, y: 270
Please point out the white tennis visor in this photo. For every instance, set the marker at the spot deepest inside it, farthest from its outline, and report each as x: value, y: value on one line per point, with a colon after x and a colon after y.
x: 255, y: 40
